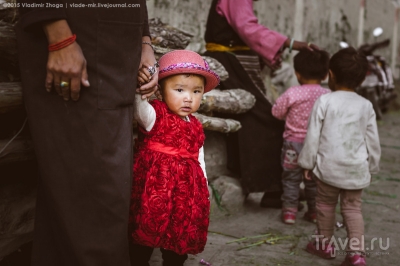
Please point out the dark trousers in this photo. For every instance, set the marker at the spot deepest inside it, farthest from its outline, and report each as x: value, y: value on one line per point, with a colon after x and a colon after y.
x: 253, y: 156
x: 140, y: 256
x: 83, y: 148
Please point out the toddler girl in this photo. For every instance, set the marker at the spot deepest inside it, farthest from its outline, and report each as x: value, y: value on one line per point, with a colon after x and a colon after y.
x: 170, y: 206
x: 342, y: 149
x: 295, y: 105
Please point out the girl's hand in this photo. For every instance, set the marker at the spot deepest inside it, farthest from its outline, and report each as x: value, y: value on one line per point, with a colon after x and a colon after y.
x: 307, y: 174
x: 143, y: 76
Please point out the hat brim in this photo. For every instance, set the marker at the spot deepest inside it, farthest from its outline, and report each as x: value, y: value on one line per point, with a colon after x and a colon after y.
x: 212, y: 79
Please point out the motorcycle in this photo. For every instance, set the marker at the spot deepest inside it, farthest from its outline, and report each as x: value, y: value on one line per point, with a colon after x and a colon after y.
x: 378, y: 86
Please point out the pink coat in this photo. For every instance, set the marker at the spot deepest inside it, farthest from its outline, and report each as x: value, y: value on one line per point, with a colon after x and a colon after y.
x: 295, y: 106
x: 240, y: 15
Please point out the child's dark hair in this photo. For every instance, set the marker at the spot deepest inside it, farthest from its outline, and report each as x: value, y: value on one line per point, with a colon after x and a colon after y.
x: 349, y: 67
x: 312, y: 64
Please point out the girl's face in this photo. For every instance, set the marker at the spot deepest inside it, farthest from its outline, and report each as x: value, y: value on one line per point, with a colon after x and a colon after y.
x: 183, y: 93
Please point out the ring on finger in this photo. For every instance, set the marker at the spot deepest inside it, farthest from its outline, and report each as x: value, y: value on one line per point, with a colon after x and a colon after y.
x: 152, y: 70
x: 309, y: 44
x: 64, y: 84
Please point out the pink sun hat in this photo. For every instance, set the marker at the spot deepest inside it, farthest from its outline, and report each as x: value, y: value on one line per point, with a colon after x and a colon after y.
x: 187, y: 62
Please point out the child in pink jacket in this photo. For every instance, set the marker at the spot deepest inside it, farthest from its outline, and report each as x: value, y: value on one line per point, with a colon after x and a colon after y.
x: 294, y: 106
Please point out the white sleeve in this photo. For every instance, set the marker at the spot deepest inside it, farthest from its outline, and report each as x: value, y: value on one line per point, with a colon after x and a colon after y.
x: 144, y: 113
x: 308, y: 155
x: 373, y: 145
x: 201, y: 161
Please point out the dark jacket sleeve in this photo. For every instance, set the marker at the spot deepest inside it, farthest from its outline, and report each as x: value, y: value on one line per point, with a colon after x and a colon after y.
x: 146, y: 31
x: 31, y: 17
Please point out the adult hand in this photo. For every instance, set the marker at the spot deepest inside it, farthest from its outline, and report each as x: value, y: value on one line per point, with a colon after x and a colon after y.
x: 297, y: 45
x: 67, y: 65
x: 307, y: 174
x: 148, y: 60
x: 304, y: 46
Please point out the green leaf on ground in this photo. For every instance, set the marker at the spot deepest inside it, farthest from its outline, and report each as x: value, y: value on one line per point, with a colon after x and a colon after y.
x: 217, y: 198
x: 222, y: 234
x: 269, y: 238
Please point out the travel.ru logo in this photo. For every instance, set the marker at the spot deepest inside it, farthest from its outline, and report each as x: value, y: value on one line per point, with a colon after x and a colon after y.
x: 339, y: 245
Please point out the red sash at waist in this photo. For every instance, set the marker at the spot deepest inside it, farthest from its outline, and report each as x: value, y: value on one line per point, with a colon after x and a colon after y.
x: 160, y: 147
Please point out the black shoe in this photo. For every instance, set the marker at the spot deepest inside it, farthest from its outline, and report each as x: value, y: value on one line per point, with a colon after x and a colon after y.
x: 271, y: 203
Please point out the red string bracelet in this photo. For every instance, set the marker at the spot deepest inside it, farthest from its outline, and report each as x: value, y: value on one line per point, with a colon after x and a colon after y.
x: 62, y: 44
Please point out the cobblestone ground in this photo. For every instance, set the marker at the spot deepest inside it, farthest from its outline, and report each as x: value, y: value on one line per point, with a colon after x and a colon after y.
x: 381, y: 211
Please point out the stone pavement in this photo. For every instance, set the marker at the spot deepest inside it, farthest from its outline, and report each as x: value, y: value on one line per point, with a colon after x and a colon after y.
x: 381, y: 211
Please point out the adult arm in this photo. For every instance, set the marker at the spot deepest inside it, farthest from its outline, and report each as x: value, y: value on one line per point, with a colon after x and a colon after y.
x: 67, y: 64
x: 308, y: 155
x: 241, y: 18
x: 146, y: 30
x: 373, y: 144
x: 147, y: 60
x: 265, y: 42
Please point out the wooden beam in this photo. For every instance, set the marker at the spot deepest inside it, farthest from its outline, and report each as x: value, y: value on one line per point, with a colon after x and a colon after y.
x: 217, y: 67
x: 10, y: 96
x: 20, y: 149
x: 8, y: 43
x: 166, y: 36
x: 218, y: 124
x: 235, y: 101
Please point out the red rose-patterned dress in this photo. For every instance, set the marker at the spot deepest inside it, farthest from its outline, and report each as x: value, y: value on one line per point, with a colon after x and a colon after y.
x: 170, y: 205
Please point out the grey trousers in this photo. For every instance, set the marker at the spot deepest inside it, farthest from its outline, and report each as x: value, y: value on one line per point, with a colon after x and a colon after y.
x: 292, y: 176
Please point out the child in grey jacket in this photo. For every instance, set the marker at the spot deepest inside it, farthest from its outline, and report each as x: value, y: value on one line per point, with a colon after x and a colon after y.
x: 342, y: 149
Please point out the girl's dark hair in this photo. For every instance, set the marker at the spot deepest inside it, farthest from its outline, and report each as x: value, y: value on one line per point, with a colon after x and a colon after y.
x: 312, y: 64
x: 349, y: 67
